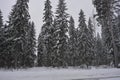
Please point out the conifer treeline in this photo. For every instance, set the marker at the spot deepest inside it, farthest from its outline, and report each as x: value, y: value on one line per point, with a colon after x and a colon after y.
x: 60, y: 43
x: 108, y: 12
x: 17, y: 38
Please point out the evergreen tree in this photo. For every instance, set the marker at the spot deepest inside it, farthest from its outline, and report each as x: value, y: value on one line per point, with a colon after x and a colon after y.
x: 1, y: 20
x: 83, y: 41
x: 1, y: 40
x: 91, y: 29
x: 5, y: 56
x: 105, y: 12
x: 72, y: 42
x: 18, y: 25
x: 47, y: 33
x: 98, y: 50
x: 31, y: 45
x: 60, y: 46
x: 1, y: 27
x: 91, y: 42
x: 78, y: 32
x: 54, y: 55
x: 100, y: 54
x: 117, y: 9
x: 40, y: 50
x: 5, y: 38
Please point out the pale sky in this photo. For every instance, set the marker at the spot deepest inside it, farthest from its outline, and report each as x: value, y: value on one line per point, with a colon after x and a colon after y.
x: 36, y: 9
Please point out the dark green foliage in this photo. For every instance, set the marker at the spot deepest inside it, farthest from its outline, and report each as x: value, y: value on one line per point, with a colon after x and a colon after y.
x: 81, y: 39
x: 40, y: 50
x: 91, y: 41
x: 1, y: 40
x: 45, y: 41
x: 100, y: 52
x: 72, y: 43
x: 60, y: 44
x: 61, y: 27
x: 105, y: 12
x: 31, y: 45
x: 18, y: 37
x: 1, y: 20
x: 85, y: 42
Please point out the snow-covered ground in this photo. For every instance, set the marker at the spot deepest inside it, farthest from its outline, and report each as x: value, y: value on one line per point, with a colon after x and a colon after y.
x: 61, y: 74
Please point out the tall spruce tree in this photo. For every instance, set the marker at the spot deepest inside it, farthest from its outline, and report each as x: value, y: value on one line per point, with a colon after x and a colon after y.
x: 60, y: 35
x: 101, y: 58
x: 18, y: 25
x: 5, y: 56
x: 91, y: 42
x: 78, y: 32
x: 72, y: 43
x: 99, y: 51
x: 31, y: 45
x: 47, y: 34
x: 83, y: 41
x: 105, y: 12
x: 1, y: 40
x: 1, y: 20
x: 40, y: 50
x: 118, y: 35
x: 1, y: 28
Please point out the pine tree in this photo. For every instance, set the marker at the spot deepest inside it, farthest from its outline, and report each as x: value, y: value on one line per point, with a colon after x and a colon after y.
x: 5, y: 57
x: 117, y: 31
x: 72, y: 42
x: 31, y: 45
x: 83, y: 41
x: 5, y: 38
x: 1, y: 20
x: 91, y: 42
x: 60, y: 35
x: 99, y: 51
x: 18, y: 25
x: 78, y: 32
x: 91, y: 28
x: 47, y: 33
x: 119, y: 36
x: 54, y: 55
x: 1, y: 40
x: 105, y: 13
x: 40, y: 50
x: 1, y: 27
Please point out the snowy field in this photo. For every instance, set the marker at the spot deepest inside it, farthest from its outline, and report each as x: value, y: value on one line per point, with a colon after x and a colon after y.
x: 60, y: 74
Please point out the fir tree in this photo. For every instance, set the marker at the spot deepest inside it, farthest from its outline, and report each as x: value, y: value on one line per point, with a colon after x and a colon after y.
x: 40, y: 50
x: 83, y: 41
x: 78, y: 32
x: 102, y: 57
x: 119, y: 36
x: 60, y: 35
x: 1, y: 20
x: 91, y: 42
x: 72, y: 42
x: 99, y: 50
x: 1, y: 40
x: 5, y: 56
x: 18, y: 25
x: 105, y: 13
x: 47, y: 33
x: 31, y: 45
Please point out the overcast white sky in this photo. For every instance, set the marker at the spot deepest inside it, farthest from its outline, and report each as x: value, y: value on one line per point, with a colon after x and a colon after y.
x: 36, y: 9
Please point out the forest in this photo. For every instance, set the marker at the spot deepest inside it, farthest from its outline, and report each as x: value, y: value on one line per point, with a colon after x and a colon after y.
x: 60, y: 42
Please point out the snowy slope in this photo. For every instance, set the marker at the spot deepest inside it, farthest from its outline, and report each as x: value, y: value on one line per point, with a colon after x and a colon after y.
x: 61, y: 74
